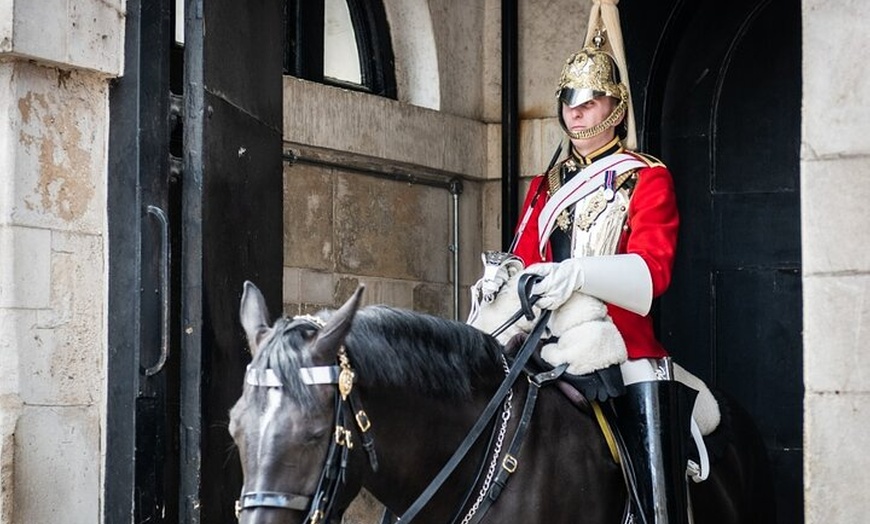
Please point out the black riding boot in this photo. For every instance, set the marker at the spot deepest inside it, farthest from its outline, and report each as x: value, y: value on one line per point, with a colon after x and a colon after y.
x: 654, y: 421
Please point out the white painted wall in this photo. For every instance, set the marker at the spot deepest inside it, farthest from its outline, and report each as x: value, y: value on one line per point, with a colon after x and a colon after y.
x: 416, y: 57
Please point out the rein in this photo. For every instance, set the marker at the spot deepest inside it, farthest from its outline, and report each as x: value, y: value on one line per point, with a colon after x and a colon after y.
x: 528, y: 347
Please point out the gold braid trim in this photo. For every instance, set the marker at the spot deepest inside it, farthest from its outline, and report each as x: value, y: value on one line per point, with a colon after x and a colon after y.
x: 625, y: 177
x: 649, y: 159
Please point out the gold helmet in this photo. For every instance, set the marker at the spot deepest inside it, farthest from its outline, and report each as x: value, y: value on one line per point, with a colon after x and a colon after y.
x: 588, y: 74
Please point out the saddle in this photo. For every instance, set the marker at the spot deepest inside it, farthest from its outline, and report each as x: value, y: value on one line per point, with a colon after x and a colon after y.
x: 599, y: 385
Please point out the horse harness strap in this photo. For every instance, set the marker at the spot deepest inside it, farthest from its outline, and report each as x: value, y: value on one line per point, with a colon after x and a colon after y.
x: 606, y: 430
x: 519, y: 363
x: 510, y: 463
x: 320, y: 504
x: 273, y: 499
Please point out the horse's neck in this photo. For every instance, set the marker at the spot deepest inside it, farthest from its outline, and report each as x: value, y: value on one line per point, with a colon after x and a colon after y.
x: 415, y: 435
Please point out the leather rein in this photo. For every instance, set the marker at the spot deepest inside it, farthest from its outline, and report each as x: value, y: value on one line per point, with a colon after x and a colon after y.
x: 320, y: 505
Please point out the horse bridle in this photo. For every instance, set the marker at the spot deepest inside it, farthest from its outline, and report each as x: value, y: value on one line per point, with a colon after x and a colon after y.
x: 320, y: 505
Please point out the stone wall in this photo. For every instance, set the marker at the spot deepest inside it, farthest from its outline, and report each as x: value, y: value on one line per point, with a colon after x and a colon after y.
x: 54, y: 64
x: 353, y: 211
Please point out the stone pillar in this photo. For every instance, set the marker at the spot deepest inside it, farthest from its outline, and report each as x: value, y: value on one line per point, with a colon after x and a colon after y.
x: 56, y: 58
x: 835, y: 190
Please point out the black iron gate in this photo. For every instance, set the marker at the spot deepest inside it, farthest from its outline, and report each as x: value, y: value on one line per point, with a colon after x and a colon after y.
x: 195, y: 208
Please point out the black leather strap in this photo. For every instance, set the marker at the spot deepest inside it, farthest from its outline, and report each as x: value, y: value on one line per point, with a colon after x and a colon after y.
x: 528, y: 348
x: 509, y: 463
x: 524, y: 288
x: 361, y: 420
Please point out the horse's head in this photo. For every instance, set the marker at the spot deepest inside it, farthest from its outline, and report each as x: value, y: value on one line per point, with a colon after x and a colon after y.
x: 289, y: 420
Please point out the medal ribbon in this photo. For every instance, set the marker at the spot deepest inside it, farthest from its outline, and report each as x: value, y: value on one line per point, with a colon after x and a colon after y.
x: 582, y: 185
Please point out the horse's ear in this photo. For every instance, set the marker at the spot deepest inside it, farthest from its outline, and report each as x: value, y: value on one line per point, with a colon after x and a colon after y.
x: 333, y: 333
x: 254, y: 315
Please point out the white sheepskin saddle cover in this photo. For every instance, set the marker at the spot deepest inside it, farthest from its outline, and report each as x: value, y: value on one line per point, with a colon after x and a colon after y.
x: 587, y: 341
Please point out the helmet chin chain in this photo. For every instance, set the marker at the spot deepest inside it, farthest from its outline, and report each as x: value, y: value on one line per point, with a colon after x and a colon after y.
x: 617, y: 113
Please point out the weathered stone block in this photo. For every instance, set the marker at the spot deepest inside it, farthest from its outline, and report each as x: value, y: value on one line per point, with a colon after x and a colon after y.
x: 57, y: 465
x: 833, y: 215
x: 25, y: 267
x: 59, y: 156
x: 837, y: 333
x: 384, y: 228
x: 836, y: 463
x: 308, y: 217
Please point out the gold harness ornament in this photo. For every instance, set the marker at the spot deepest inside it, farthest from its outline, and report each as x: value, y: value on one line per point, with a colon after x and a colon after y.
x: 346, y: 375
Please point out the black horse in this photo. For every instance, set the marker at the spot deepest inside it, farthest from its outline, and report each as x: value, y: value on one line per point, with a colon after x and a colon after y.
x: 310, y: 434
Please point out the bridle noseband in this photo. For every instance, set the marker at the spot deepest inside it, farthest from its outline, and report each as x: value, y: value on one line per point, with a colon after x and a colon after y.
x: 319, y: 506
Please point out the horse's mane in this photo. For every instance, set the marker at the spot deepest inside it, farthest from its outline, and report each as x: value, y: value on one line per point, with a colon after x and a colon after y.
x: 390, y: 347
x: 399, y: 347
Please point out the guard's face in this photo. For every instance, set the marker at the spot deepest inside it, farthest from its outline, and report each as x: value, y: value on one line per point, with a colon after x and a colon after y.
x: 588, y: 114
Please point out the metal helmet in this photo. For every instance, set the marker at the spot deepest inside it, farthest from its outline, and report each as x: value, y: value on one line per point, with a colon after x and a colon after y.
x: 588, y: 74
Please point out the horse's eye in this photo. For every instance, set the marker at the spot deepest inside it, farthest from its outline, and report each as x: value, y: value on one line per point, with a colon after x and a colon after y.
x: 309, y: 333
x: 317, y: 436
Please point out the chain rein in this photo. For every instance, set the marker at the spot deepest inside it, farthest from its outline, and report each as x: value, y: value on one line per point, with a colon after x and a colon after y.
x: 496, y: 452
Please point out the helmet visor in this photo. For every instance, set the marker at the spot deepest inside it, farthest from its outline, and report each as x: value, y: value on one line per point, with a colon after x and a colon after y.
x: 572, y: 97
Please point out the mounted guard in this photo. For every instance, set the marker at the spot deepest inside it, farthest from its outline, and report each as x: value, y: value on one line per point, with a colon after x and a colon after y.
x: 602, y: 223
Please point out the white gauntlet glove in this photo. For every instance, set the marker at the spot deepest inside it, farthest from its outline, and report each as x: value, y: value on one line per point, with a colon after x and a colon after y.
x: 621, y: 280
x: 498, y: 268
x: 559, y: 283
x: 491, y: 284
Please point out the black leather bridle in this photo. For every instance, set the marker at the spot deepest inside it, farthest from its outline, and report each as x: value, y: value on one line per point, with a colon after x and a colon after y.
x: 320, y: 505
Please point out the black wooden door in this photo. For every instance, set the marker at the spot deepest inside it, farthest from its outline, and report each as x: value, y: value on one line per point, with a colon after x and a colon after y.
x: 719, y: 85
x: 232, y: 227
x: 142, y: 442
x: 195, y: 208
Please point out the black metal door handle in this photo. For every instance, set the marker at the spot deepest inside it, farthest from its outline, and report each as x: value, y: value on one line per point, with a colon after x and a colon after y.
x: 164, y: 290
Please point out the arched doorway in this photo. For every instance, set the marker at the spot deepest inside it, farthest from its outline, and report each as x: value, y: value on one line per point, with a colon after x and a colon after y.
x: 718, y: 91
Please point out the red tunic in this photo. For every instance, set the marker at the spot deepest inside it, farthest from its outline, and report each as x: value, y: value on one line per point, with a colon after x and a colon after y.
x: 651, y: 232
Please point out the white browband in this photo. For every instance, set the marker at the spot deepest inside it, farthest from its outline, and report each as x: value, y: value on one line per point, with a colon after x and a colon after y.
x: 311, y: 376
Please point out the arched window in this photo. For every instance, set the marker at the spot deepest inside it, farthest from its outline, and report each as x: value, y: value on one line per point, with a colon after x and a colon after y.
x: 340, y: 42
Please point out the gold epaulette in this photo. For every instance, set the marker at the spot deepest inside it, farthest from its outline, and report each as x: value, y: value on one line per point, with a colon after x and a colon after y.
x: 650, y: 160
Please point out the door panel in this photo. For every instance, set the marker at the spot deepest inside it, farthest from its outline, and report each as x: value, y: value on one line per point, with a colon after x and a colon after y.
x: 184, y: 233
x: 719, y: 89
x: 233, y: 227
x: 142, y: 419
